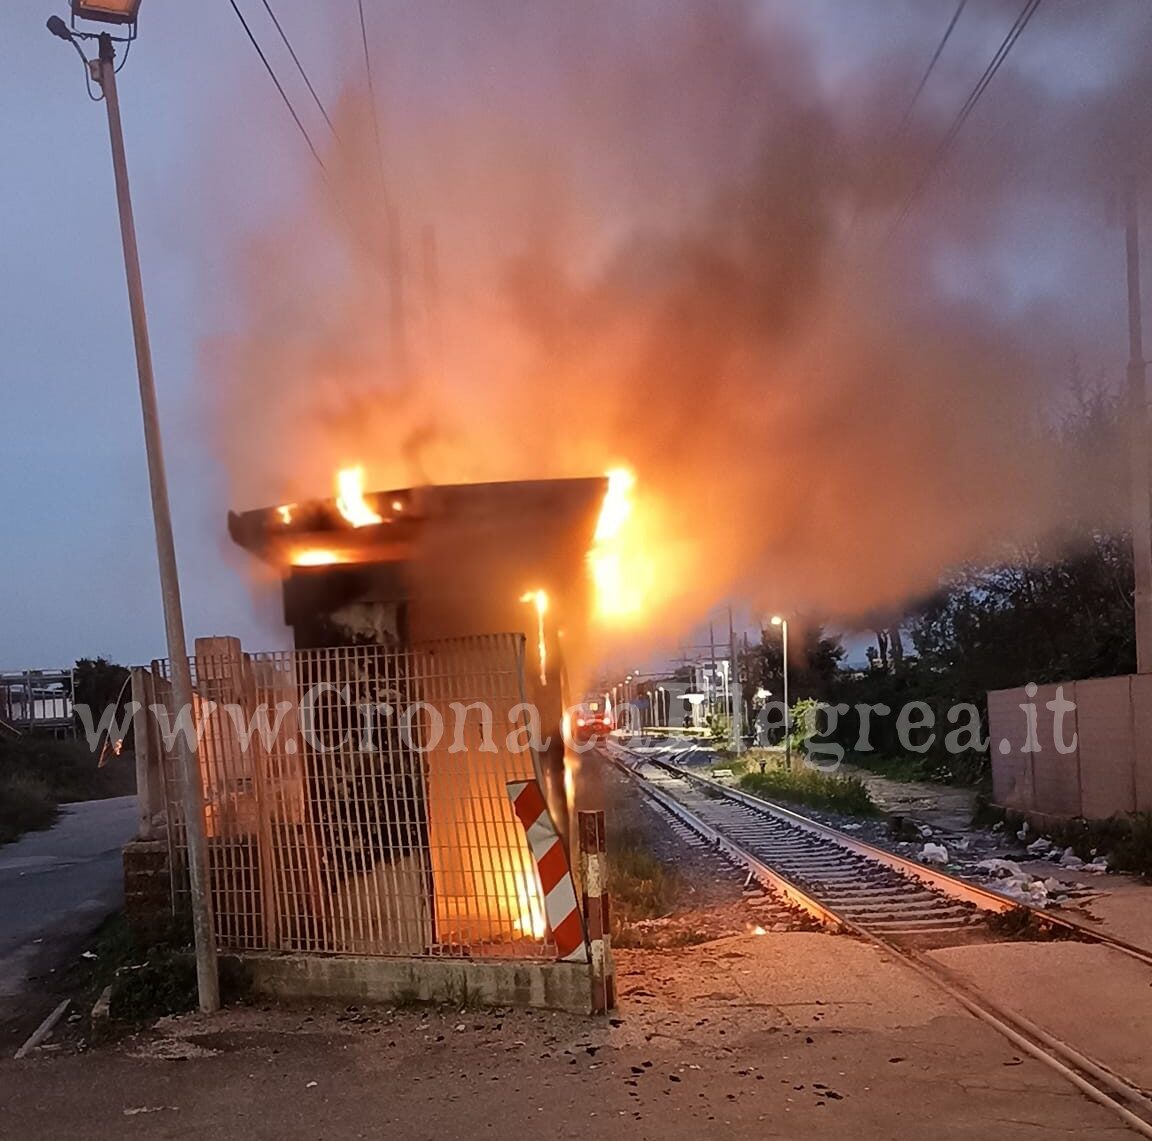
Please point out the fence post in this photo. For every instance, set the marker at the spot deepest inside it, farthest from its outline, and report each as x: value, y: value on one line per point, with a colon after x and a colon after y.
x: 594, y: 877
x: 146, y: 758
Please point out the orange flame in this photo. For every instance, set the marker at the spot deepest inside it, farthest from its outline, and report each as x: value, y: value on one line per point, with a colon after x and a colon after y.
x: 530, y: 920
x: 315, y: 557
x: 540, y: 599
x: 285, y: 513
x: 619, y: 588
x: 350, y: 498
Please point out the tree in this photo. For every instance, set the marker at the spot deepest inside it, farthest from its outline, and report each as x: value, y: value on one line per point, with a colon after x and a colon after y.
x: 99, y: 683
x: 813, y: 660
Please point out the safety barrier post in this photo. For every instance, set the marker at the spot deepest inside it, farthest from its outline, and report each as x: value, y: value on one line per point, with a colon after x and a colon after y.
x: 594, y: 877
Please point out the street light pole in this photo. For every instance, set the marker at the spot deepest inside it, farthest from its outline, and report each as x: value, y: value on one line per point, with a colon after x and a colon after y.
x: 207, y: 977
x: 783, y: 624
x: 1141, y: 468
x: 735, y: 689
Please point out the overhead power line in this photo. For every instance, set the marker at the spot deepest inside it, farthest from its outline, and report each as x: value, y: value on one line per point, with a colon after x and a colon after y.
x: 931, y: 65
x: 279, y: 86
x: 299, y: 66
x: 371, y: 93
x: 966, y: 110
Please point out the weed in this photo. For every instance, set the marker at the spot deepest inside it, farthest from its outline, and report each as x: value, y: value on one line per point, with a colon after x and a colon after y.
x: 26, y: 805
x: 39, y: 773
x: 808, y: 786
x: 165, y: 983
x: 1125, y: 840
x: 640, y: 886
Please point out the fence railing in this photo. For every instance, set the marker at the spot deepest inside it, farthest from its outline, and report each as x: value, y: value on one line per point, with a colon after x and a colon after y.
x: 37, y: 701
x: 356, y: 798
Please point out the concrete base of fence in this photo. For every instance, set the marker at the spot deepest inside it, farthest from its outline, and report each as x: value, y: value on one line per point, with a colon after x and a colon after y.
x: 548, y: 986
x: 147, y: 889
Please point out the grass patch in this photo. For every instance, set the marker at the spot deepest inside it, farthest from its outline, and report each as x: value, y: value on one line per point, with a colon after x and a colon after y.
x: 813, y: 788
x: 640, y: 886
x: 754, y: 759
x: 26, y: 805
x: 151, y: 980
x: 37, y: 774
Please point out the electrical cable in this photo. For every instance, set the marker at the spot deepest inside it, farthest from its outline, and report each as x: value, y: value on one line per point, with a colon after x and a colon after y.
x: 966, y: 110
x: 931, y: 66
x: 299, y: 66
x: 279, y: 86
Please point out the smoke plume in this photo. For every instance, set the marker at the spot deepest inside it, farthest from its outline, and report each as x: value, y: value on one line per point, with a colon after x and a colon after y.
x: 657, y: 235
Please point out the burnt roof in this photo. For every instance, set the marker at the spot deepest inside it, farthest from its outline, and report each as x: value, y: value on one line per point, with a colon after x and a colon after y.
x: 410, y: 515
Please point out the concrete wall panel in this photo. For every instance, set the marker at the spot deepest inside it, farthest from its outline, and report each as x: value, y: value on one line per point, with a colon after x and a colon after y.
x: 1012, y: 776
x: 1056, y: 770
x: 1104, y: 721
x: 1142, y: 751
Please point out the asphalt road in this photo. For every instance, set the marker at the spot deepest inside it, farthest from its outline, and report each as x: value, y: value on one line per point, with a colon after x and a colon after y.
x: 56, y: 887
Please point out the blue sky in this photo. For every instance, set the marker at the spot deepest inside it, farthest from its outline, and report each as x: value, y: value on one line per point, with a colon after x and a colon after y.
x: 210, y: 147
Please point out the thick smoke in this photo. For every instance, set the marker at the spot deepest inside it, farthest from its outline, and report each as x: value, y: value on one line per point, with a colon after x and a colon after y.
x: 655, y: 235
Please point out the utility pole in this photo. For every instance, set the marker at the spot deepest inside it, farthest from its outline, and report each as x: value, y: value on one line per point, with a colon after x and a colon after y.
x: 1141, y: 468
x: 207, y: 978
x: 737, y: 690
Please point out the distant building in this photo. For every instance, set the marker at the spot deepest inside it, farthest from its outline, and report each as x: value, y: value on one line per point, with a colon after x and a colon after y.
x: 37, y: 701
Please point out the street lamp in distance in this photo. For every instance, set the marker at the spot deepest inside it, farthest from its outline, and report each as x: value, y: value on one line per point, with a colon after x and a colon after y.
x: 783, y: 624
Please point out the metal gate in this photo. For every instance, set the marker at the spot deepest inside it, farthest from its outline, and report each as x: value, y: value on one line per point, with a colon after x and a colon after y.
x: 356, y: 799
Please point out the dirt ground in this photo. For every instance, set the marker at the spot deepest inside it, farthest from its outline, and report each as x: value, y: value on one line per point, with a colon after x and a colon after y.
x: 796, y: 1035
x: 721, y: 1032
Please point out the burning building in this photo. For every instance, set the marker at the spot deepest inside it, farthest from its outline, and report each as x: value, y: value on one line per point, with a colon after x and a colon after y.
x: 370, y: 815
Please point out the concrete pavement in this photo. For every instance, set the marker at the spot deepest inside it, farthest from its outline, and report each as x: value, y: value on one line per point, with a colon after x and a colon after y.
x: 798, y: 1036
x: 56, y: 886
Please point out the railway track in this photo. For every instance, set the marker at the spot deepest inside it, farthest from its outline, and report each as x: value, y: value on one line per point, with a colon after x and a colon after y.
x: 899, y: 904
x: 848, y: 884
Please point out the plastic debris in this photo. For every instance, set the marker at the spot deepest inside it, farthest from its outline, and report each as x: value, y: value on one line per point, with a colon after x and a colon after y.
x: 934, y: 854
x: 1002, y: 868
x: 1040, y: 847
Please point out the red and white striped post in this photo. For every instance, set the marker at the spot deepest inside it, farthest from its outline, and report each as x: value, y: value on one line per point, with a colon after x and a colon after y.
x: 594, y: 877
x: 560, y: 904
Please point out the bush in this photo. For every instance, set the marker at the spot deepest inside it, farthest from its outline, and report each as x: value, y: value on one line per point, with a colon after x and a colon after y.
x: 26, y: 805
x: 165, y: 983
x: 1125, y: 840
x: 39, y: 773
x: 809, y: 786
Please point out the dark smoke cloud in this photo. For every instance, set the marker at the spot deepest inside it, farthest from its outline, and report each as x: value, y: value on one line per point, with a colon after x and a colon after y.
x: 664, y: 241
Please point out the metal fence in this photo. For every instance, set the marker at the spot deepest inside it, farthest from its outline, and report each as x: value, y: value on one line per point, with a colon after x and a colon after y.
x: 38, y: 701
x: 356, y: 800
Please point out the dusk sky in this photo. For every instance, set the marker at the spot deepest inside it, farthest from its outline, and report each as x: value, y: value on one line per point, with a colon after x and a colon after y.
x: 211, y: 149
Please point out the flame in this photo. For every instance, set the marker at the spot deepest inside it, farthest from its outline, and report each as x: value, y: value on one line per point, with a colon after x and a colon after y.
x: 618, y: 583
x: 350, y: 498
x: 530, y: 919
x: 285, y: 513
x: 315, y: 557
x: 539, y: 598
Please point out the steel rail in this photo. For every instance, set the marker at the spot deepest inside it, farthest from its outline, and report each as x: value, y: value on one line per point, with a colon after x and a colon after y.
x: 1076, y: 1067
x: 943, y: 881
